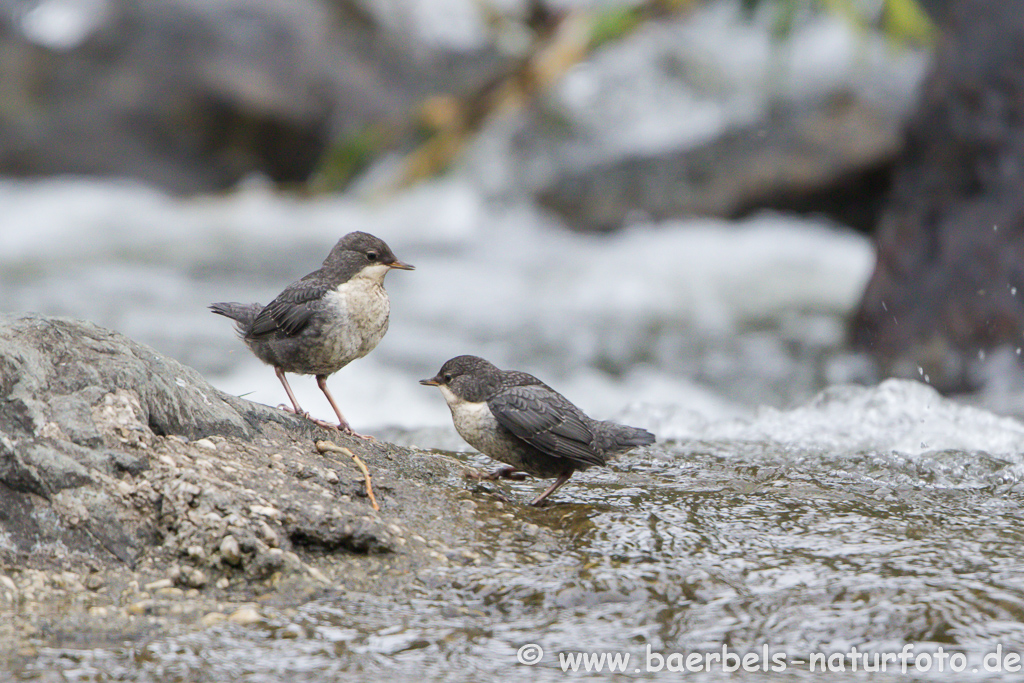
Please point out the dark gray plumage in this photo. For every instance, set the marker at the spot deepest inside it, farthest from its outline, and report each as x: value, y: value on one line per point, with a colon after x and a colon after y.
x: 517, y: 419
x: 324, y: 321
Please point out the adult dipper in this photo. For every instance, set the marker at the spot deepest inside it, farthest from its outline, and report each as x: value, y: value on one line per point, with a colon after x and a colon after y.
x: 515, y: 418
x: 324, y: 321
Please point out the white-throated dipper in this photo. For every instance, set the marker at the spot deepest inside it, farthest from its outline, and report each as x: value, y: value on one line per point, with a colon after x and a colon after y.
x: 515, y: 418
x: 324, y: 321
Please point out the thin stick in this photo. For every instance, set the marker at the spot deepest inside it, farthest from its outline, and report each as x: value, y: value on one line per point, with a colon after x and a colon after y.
x: 327, y: 446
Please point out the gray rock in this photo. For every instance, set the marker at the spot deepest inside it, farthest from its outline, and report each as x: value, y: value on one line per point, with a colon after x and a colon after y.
x: 103, y: 464
x: 670, y: 123
x: 193, y: 95
x: 57, y: 371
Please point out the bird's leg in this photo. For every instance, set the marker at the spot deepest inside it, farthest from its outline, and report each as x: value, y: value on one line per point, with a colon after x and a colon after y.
x: 562, y: 478
x: 288, y: 390
x: 343, y: 425
x: 500, y: 473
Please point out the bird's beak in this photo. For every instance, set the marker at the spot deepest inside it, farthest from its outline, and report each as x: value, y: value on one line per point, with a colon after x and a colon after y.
x: 432, y: 382
x: 401, y: 266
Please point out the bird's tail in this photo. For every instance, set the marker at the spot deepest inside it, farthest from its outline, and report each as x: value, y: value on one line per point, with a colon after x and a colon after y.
x: 613, y: 437
x: 242, y: 314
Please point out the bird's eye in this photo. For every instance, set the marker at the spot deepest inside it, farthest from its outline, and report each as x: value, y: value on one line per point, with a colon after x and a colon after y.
x: 447, y: 378
x: 371, y: 256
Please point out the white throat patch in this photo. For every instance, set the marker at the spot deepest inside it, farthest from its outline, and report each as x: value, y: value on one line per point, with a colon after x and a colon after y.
x: 374, y: 273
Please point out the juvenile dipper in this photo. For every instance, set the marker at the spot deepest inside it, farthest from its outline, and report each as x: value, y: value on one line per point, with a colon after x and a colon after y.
x: 517, y: 419
x: 324, y: 321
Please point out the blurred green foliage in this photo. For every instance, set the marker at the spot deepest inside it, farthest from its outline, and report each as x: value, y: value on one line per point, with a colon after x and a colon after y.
x: 903, y: 21
x: 350, y: 155
x: 613, y: 24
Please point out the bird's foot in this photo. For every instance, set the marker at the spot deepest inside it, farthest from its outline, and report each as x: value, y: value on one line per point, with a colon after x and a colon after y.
x: 304, y: 414
x: 347, y: 429
x: 323, y: 423
x: 500, y: 473
x: 289, y: 409
x: 343, y: 428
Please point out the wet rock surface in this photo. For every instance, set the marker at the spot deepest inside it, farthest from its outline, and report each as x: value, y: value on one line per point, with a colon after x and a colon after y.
x: 131, y: 492
x: 873, y: 517
x: 948, y: 282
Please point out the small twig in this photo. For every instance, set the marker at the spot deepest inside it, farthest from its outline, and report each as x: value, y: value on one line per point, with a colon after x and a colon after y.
x: 327, y: 446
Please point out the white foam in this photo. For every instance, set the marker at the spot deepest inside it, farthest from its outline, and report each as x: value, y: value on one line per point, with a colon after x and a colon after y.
x: 897, y: 416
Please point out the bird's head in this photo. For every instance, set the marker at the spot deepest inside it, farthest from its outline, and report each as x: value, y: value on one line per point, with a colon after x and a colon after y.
x: 466, y: 378
x: 360, y: 254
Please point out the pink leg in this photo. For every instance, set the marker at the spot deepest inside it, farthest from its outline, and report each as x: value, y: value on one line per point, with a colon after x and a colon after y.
x: 343, y: 425
x: 562, y: 478
x: 299, y: 411
x: 288, y: 390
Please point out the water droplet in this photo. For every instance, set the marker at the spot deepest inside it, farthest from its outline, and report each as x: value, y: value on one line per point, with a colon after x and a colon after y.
x: 1013, y: 291
x: 884, y: 307
x: 1018, y: 350
x: 920, y: 370
x: 981, y: 354
x: 927, y: 379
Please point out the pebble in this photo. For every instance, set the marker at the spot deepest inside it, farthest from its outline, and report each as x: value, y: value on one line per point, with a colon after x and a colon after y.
x: 195, y: 578
x: 205, y: 444
x: 268, y: 534
x: 331, y: 476
x: 158, y: 584
x: 196, y: 552
x: 212, y: 618
x: 245, y: 616
x: 139, y: 608
x: 265, y: 511
x: 230, y: 551
x: 222, y: 583
x: 318, y: 575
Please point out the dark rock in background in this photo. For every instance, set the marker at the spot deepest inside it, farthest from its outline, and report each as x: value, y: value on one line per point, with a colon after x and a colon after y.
x: 766, y: 131
x: 949, y: 281
x: 833, y: 160
x: 192, y: 96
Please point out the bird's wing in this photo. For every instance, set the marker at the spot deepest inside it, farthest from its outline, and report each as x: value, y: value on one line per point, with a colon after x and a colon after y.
x: 547, y: 421
x: 290, y: 311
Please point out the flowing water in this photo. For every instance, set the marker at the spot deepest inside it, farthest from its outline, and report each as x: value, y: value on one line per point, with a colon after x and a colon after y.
x: 794, y: 507
x: 781, y: 523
